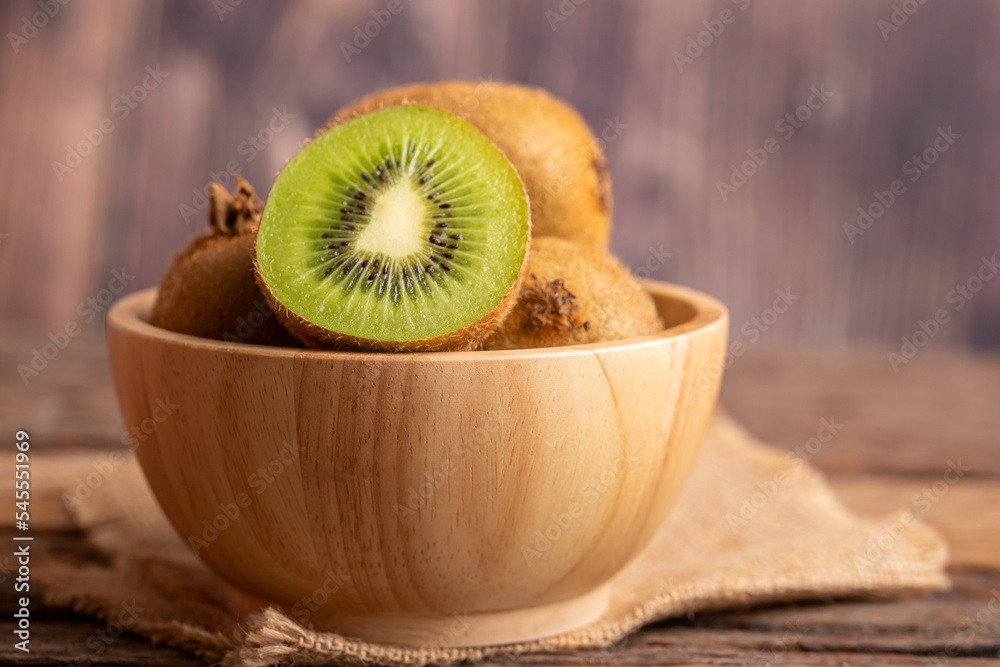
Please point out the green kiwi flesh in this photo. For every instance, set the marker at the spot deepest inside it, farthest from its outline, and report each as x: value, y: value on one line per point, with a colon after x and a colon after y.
x: 404, y: 229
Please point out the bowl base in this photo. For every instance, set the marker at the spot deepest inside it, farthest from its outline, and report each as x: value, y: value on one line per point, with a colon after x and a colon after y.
x: 454, y: 630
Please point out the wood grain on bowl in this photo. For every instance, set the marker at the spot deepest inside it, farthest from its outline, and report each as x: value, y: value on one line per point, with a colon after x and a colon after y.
x: 416, y: 487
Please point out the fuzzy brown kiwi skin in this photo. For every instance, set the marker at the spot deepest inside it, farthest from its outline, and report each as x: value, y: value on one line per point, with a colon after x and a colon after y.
x: 210, y: 284
x: 574, y: 294
x: 549, y: 144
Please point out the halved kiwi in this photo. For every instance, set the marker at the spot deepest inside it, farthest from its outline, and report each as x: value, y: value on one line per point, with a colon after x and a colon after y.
x: 404, y: 229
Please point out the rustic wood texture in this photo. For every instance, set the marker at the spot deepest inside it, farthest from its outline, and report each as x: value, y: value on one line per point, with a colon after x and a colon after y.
x: 768, y: 391
x: 670, y: 137
x: 509, y: 421
x: 886, y: 424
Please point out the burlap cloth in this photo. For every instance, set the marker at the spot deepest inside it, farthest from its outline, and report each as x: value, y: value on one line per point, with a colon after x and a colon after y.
x: 754, y: 525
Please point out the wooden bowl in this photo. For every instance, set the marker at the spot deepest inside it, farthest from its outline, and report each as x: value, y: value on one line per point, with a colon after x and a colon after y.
x: 449, y: 498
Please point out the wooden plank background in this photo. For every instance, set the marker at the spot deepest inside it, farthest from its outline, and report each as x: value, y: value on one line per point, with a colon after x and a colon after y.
x: 227, y: 66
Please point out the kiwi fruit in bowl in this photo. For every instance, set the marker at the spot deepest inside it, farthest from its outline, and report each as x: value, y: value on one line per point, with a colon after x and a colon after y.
x: 575, y: 294
x: 404, y: 229
x: 209, y: 289
x: 550, y: 145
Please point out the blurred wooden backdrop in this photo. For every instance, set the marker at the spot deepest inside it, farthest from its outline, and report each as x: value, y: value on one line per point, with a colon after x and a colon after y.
x: 243, y: 83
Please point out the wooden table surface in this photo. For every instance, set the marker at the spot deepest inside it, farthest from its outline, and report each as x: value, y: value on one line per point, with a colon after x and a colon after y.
x: 900, y: 431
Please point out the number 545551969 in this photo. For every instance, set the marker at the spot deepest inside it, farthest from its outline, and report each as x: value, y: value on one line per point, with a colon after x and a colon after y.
x: 22, y: 476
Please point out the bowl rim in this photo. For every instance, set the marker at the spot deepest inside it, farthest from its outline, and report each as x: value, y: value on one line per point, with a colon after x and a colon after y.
x: 131, y: 314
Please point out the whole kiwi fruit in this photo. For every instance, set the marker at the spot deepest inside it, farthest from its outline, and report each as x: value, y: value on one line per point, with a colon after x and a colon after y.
x: 550, y: 145
x: 209, y: 289
x: 574, y: 294
x: 401, y: 230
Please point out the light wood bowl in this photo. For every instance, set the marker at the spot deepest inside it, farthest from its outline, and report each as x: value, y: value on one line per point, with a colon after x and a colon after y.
x: 450, y: 498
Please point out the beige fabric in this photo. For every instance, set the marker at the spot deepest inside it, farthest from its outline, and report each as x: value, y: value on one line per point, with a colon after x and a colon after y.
x: 754, y: 525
